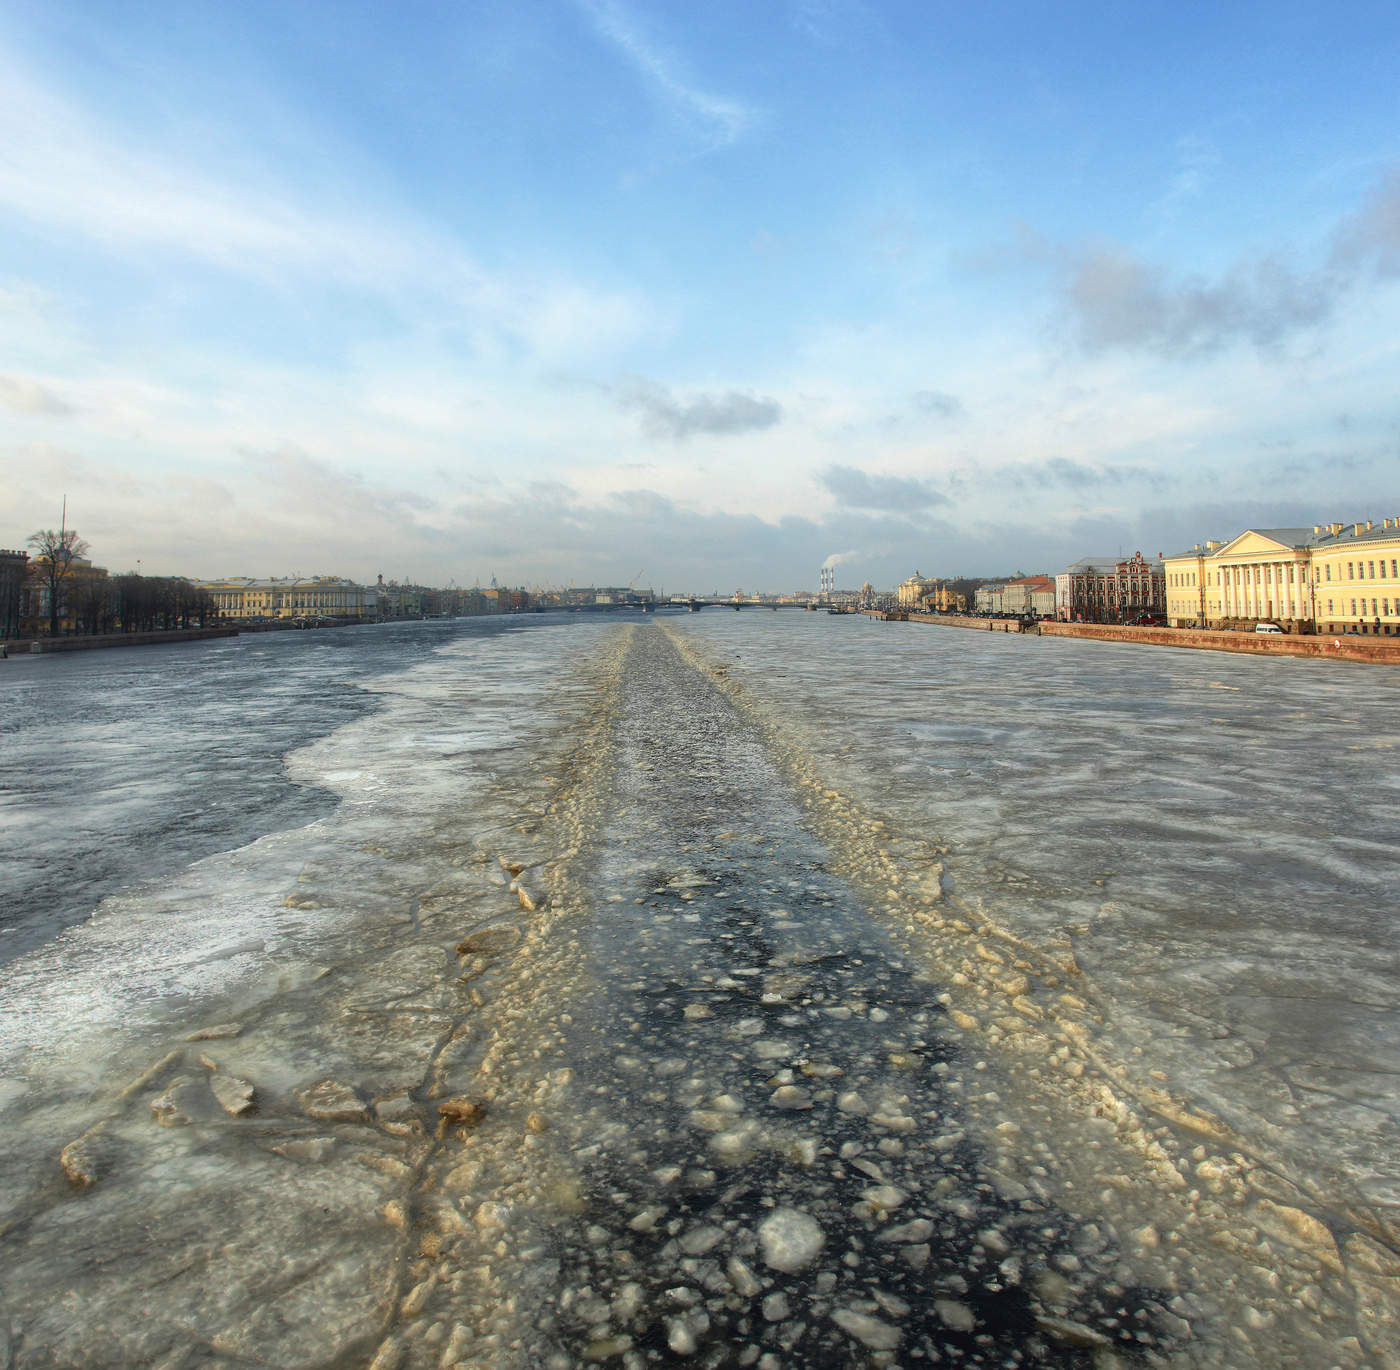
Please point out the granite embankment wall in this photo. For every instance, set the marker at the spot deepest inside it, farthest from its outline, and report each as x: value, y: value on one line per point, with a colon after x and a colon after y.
x: 993, y: 625
x: 82, y: 643
x: 1380, y: 649
x: 1346, y: 648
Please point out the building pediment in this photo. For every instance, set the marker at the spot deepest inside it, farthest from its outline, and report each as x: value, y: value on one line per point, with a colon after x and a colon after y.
x: 1253, y: 543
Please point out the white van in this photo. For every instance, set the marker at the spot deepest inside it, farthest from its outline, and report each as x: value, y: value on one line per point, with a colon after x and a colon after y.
x: 1267, y: 628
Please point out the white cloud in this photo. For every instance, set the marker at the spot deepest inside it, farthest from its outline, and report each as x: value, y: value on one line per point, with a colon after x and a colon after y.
x: 718, y: 120
x: 66, y: 172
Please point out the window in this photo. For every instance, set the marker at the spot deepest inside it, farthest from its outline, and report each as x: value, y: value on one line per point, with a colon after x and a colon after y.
x: 1353, y: 608
x: 1329, y: 606
x: 1329, y: 570
x: 1371, y: 570
x: 1382, y: 566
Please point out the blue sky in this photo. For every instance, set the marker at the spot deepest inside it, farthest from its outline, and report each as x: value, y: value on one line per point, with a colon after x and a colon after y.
x: 563, y: 289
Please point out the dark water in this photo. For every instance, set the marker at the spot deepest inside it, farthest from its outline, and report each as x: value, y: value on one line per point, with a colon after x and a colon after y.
x: 769, y: 1054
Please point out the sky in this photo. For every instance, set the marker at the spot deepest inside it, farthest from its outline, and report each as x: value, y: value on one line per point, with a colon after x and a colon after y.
x: 693, y: 296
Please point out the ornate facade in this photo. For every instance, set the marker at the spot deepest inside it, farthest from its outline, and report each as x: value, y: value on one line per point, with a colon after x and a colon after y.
x: 1110, y: 589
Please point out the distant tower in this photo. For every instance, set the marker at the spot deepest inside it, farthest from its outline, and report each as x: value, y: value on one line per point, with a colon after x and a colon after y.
x: 828, y: 581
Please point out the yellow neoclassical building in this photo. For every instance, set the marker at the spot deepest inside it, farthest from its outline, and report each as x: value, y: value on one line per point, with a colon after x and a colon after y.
x: 1187, y: 580
x: 243, y: 597
x: 1330, y: 578
x: 911, y: 592
x: 1355, y: 581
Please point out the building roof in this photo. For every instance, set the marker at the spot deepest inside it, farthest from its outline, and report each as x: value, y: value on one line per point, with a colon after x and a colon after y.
x: 1201, y: 549
x: 1289, y: 537
x: 1385, y: 531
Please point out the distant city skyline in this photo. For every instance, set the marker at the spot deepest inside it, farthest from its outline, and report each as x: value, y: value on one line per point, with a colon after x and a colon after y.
x: 601, y: 291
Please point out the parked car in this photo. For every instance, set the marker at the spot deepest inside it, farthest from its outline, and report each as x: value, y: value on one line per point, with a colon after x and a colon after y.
x: 1267, y: 628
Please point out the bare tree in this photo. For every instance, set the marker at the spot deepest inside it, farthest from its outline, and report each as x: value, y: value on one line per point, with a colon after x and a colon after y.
x: 54, y: 555
x: 92, y: 600
x: 146, y: 603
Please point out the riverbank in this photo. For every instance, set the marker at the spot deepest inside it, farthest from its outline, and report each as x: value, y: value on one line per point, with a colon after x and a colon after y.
x: 25, y: 646
x: 1346, y: 648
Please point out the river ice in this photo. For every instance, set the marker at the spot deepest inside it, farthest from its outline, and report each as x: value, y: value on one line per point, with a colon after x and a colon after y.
x: 730, y: 989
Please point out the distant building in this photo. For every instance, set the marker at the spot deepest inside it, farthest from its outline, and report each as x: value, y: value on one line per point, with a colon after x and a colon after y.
x: 911, y: 592
x: 988, y: 597
x: 1030, y: 595
x: 80, y: 586
x: 13, y: 570
x: 251, y: 600
x: 1024, y: 596
x: 1110, y: 589
x: 929, y: 593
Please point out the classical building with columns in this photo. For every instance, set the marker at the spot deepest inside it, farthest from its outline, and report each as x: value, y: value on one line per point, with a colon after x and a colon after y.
x: 1262, y: 576
x: 1330, y: 578
x: 249, y: 599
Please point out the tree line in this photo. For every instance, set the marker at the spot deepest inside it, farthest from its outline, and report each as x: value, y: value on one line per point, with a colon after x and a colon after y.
x: 136, y: 604
x: 68, y: 590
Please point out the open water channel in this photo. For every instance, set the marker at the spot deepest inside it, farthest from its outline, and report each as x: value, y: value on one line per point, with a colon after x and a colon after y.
x: 761, y: 989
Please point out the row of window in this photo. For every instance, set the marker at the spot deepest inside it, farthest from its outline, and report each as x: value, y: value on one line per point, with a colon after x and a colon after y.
x: 1370, y: 570
x: 1379, y: 607
x: 1268, y: 573
x: 1383, y: 606
x: 307, y: 602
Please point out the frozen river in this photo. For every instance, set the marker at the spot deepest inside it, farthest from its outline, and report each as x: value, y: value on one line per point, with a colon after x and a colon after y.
x: 754, y: 989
